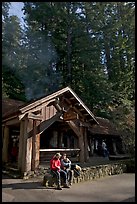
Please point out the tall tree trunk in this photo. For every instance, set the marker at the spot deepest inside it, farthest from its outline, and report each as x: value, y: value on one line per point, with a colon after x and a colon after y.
x: 107, y: 53
x: 69, y: 40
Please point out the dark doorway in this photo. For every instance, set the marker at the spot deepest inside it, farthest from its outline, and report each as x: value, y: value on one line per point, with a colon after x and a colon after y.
x: 13, y: 147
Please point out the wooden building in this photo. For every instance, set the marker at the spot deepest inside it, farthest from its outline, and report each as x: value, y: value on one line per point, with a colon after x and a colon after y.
x: 58, y: 122
x: 108, y: 132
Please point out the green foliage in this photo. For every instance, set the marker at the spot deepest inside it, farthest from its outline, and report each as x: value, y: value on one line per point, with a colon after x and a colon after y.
x: 11, y: 84
x: 123, y: 116
x: 89, y: 46
x: 130, y: 165
x: 5, y: 9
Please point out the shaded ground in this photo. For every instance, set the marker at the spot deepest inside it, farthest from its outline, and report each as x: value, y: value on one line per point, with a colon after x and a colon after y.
x: 116, y: 188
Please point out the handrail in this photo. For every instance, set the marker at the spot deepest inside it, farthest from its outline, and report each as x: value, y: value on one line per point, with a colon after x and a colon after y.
x: 50, y: 150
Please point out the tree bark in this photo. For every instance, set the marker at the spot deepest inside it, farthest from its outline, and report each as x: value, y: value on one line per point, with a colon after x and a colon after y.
x: 69, y: 41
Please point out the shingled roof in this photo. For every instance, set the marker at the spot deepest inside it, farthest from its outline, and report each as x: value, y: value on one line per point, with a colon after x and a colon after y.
x: 105, y: 127
x: 10, y: 106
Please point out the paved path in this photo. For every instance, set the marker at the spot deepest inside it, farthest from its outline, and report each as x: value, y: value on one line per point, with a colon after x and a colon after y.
x: 116, y: 188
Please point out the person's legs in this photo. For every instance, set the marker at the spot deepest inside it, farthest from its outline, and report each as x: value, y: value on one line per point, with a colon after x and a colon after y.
x: 67, y: 171
x: 57, y: 174
x: 63, y: 174
x: 104, y: 152
x: 71, y: 176
x: 107, y: 153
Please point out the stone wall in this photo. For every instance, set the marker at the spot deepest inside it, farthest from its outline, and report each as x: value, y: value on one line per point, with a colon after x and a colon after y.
x: 94, y: 172
x: 87, y: 173
x: 90, y: 173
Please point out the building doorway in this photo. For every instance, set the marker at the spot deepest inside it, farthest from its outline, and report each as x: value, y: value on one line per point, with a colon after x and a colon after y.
x: 13, y: 147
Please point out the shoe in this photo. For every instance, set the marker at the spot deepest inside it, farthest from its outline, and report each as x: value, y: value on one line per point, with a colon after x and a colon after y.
x: 70, y: 183
x: 59, y: 188
x: 66, y: 186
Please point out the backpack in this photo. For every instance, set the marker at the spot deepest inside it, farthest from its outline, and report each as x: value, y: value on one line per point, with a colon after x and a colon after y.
x: 76, y: 169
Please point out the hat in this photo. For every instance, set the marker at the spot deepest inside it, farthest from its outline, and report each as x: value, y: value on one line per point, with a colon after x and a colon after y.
x: 58, y: 154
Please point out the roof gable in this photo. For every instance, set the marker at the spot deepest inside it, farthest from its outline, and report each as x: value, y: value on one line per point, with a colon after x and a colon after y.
x: 67, y: 94
x: 70, y: 97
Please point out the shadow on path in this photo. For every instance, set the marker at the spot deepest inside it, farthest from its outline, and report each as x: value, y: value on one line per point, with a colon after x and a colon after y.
x: 5, y: 176
x: 132, y: 199
x: 26, y: 185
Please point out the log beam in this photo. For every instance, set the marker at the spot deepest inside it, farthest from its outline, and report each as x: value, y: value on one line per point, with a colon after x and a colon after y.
x: 5, y: 144
x: 35, y: 146
x: 81, y: 145
x: 34, y: 117
x: 79, y: 132
x: 27, y: 146
x: 21, y: 147
x: 86, y: 153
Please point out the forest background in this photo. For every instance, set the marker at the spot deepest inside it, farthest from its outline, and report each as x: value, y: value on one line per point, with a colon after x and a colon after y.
x: 89, y: 46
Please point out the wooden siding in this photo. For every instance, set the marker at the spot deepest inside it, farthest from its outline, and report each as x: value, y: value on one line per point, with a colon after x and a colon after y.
x: 48, y: 112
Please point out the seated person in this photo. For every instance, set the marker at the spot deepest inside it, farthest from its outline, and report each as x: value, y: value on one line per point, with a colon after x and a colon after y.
x: 55, y: 165
x: 66, y: 166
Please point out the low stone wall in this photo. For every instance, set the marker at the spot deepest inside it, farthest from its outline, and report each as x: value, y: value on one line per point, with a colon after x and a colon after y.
x: 90, y: 173
x: 87, y: 173
x: 94, y: 172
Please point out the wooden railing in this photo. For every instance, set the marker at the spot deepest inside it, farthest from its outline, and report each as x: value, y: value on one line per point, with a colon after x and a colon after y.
x: 47, y: 154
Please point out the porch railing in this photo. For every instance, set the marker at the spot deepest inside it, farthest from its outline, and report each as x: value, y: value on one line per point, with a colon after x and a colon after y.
x: 47, y: 154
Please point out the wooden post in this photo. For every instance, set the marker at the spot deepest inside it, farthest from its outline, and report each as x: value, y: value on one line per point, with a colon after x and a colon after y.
x: 27, y: 146
x: 35, y: 145
x: 2, y: 134
x: 61, y: 135
x: 21, y: 147
x: 79, y: 132
x: 28, y: 155
x: 43, y: 112
x: 114, y: 146
x: 81, y: 145
x: 37, y: 159
x: 86, y: 145
x: 5, y: 144
x: 68, y: 142
x: 59, y: 140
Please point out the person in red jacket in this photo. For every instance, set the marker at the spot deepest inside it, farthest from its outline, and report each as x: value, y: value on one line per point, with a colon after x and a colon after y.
x: 55, y: 165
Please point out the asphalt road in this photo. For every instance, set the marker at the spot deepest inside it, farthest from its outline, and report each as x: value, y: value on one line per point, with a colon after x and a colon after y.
x: 116, y: 188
